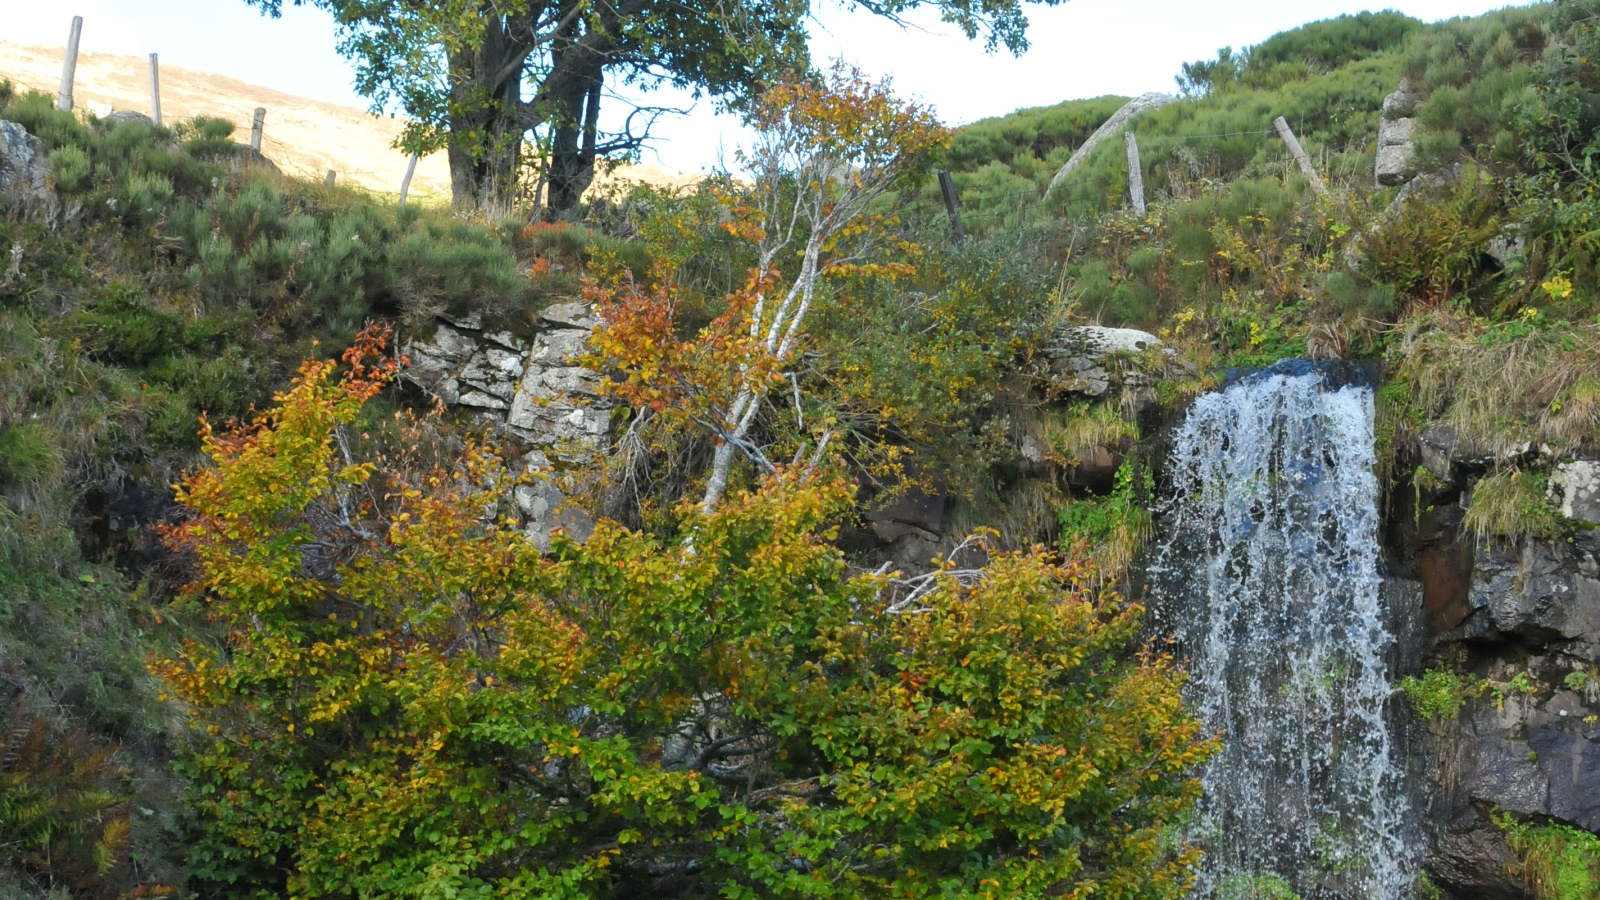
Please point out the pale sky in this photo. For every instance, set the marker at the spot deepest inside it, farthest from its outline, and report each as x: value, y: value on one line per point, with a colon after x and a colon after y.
x: 1084, y: 48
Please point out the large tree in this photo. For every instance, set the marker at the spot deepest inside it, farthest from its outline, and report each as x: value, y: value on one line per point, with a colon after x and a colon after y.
x: 479, y: 77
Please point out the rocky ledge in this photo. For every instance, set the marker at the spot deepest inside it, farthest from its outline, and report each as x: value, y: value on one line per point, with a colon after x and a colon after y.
x: 532, y: 389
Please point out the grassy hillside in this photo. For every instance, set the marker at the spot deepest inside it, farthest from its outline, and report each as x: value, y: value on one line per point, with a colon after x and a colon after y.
x: 176, y: 280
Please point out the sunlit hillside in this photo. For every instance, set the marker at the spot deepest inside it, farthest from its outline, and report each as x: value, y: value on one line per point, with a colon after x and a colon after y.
x: 304, y: 137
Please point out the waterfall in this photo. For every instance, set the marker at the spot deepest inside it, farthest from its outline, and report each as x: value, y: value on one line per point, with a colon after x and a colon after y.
x: 1268, y: 578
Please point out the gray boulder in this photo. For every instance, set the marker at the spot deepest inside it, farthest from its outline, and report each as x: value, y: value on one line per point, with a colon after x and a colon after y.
x: 546, y: 511
x: 1403, y: 102
x: 1575, y: 488
x: 571, y: 315
x: 24, y: 171
x: 1396, y: 129
x: 1539, y: 593
x: 1394, y: 159
x: 1077, y: 356
x: 130, y: 116
x: 913, y: 512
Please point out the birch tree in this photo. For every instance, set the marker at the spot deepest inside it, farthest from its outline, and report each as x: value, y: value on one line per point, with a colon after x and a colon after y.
x: 825, y: 156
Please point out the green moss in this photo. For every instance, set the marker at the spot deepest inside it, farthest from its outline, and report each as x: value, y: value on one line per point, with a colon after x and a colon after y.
x: 1111, y: 528
x: 1559, y: 862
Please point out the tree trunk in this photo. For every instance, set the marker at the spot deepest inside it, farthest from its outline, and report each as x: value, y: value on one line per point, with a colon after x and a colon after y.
x: 485, y: 148
x: 717, y: 483
x: 572, y: 153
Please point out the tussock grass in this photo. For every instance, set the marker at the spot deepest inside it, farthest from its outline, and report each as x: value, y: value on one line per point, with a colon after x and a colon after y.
x: 1502, y: 385
x: 1077, y: 431
x: 1510, y: 504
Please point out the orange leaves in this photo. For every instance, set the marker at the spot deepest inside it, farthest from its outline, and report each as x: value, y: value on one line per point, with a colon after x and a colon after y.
x: 649, y: 367
x: 851, y: 119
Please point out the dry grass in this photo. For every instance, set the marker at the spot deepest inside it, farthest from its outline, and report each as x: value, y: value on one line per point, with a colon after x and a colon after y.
x: 1077, y: 431
x: 1509, y: 504
x: 1505, y: 385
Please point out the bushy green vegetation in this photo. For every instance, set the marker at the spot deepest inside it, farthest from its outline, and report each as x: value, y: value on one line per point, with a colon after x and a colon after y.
x: 1440, y: 694
x: 181, y: 278
x: 1559, y: 862
x: 174, y: 278
x: 1109, y: 529
x: 211, y: 277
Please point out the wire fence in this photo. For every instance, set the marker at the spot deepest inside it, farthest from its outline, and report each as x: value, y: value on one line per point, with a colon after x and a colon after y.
x: 978, y: 211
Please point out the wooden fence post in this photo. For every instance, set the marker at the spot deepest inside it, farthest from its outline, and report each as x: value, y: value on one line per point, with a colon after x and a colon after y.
x: 1135, y: 173
x: 947, y: 186
x: 155, y: 90
x: 331, y: 176
x: 405, y: 183
x: 69, y: 66
x: 257, y: 122
x: 1299, y: 154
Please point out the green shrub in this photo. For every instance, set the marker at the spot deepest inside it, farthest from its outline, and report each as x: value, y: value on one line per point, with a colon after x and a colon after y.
x: 36, y: 111
x: 70, y: 169
x: 1434, y: 246
x: 1111, y: 528
x: 1441, y: 693
x: 123, y: 328
x: 206, y: 136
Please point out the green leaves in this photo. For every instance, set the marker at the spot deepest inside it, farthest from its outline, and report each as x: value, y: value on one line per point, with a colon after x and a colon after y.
x: 444, y: 712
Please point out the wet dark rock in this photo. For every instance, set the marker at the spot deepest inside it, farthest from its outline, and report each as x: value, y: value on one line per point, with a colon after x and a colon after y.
x: 1471, y: 859
x: 1450, y: 457
x: 1538, y: 593
x: 913, y: 512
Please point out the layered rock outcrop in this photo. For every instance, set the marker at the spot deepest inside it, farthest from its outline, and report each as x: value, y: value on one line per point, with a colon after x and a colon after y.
x: 532, y: 389
x: 1396, y: 129
x: 1521, y: 620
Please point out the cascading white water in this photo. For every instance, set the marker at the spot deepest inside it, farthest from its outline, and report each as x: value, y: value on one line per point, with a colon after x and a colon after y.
x: 1269, y: 579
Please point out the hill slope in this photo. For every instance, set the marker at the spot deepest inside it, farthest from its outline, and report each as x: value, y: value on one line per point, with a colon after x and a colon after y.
x: 304, y: 137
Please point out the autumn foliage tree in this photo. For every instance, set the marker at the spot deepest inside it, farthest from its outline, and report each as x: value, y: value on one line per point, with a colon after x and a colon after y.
x: 412, y: 700
x: 826, y: 155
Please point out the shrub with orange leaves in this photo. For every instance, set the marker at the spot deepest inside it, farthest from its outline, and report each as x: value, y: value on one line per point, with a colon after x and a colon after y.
x: 825, y: 153
x: 413, y: 701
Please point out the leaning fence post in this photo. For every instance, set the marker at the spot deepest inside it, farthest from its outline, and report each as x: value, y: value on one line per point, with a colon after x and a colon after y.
x: 257, y: 122
x: 405, y: 183
x: 331, y: 176
x: 155, y: 90
x: 69, y: 65
x: 1135, y: 174
x: 1299, y: 154
x: 947, y: 186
